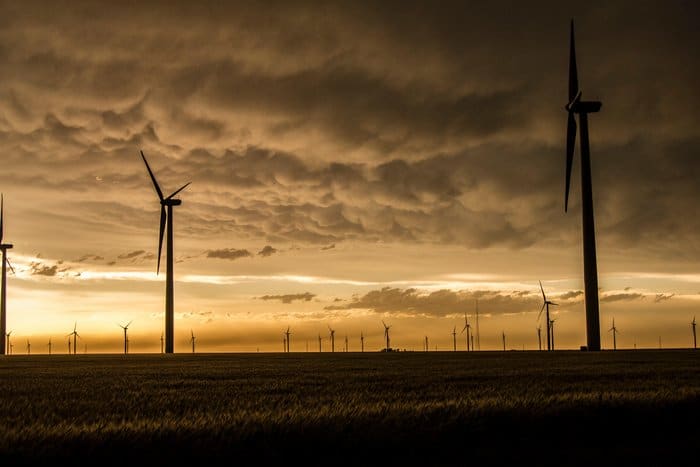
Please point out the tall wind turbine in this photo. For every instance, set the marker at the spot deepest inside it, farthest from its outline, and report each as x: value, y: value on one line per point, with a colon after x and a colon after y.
x: 161, y: 343
x: 49, y: 345
x: 319, y: 343
x: 454, y: 338
x: 386, y: 336
x: 545, y: 306
x: 614, y: 330
x: 287, y: 334
x: 7, y: 351
x: 126, y: 339
x: 551, y: 329
x: 362, y: 342
x: 590, y: 268
x: 75, y: 338
x: 539, y: 337
x: 3, y: 293
x: 29, y: 347
x: 695, y: 340
x: 503, y: 335
x: 332, y: 338
x: 467, y: 327
x: 192, y: 339
x: 426, y: 343
x: 346, y: 343
x: 168, y: 203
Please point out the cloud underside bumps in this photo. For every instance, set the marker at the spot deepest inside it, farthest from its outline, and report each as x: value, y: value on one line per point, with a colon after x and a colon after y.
x: 302, y: 124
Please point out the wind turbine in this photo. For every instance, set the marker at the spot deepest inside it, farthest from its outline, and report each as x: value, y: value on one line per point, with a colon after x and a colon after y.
x: 7, y: 335
x: 454, y: 338
x: 346, y: 342
x: 590, y: 268
x: 49, y: 345
x: 332, y: 338
x: 386, y: 336
x: 319, y: 343
x: 695, y: 340
x: 168, y: 202
x: 362, y: 342
x: 161, y: 343
x: 126, y: 339
x: 426, y: 343
x: 75, y: 338
x: 545, y: 306
x: 503, y: 334
x: 467, y: 327
x: 3, y: 294
x: 614, y: 331
x: 551, y: 327
x: 478, y: 338
x: 287, y: 333
x: 192, y: 339
x: 69, y: 345
x: 29, y: 347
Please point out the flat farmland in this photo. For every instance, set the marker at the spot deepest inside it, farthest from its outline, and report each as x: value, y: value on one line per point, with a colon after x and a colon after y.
x: 403, y: 408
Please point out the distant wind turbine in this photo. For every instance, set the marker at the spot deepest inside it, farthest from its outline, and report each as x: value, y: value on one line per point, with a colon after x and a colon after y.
x: 386, y: 336
x: 126, y: 339
x: 332, y: 338
x: 590, y: 268
x: 467, y: 327
x: 75, y: 338
x: 287, y: 334
x: 614, y: 330
x: 69, y: 349
x: 454, y: 338
x: 695, y: 340
x: 362, y: 342
x: 49, y: 345
x: 161, y: 343
x: 346, y: 342
x: 503, y: 334
x: 168, y: 202
x: 29, y: 347
x: 539, y: 337
x: 426, y: 343
x: 551, y: 329
x: 478, y: 338
x: 3, y: 293
x: 545, y: 306
x: 320, y: 349
x: 7, y: 335
x: 192, y: 339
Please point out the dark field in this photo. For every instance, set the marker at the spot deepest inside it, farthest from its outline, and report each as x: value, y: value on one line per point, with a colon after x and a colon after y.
x: 485, y: 408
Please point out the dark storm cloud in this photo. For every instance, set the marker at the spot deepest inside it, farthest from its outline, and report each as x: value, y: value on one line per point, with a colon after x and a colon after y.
x: 444, y: 302
x: 268, y: 250
x: 289, y: 298
x: 228, y: 253
x: 396, y: 121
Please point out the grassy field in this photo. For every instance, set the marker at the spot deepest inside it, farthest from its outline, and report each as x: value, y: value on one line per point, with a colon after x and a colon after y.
x: 438, y: 408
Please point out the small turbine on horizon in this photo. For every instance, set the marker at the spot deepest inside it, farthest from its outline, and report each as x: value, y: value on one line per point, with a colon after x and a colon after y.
x: 539, y: 337
x: 545, y: 306
x: 3, y: 293
x: 614, y: 330
x: 49, y: 346
x: 126, y: 338
x: 29, y: 347
x: 467, y: 327
x: 551, y: 329
x: 7, y: 342
x: 362, y: 342
x: 503, y: 335
x: 287, y: 334
x: 590, y: 269
x: 192, y: 339
x: 166, y: 216
x: 386, y: 336
x: 75, y: 338
x: 695, y: 340
x: 332, y: 331
x: 454, y: 338
x: 320, y: 349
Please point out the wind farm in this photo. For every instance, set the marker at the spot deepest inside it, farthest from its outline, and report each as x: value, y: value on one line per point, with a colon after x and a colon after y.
x: 386, y: 171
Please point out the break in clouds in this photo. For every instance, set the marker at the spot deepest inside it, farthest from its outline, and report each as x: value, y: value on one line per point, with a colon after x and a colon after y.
x: 348, y: 122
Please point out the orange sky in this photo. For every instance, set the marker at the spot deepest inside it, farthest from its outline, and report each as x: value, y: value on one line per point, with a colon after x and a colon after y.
x: 348, y: 165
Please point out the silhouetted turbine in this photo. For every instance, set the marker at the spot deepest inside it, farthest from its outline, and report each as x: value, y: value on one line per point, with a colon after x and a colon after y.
x: 551, y: 329
x: 503, y: 334
x: 29, y: 347
x: 695, y: 340
x: 545, y: 306
x: 192, y: 339
x: 49, y: 345
x: 168, y: 202
x: 332, y: 331
x: 75, y: 338
x: 590, y: 268
x: 386, y: 336
x: 7, y: 335
x: 467, y: 327
x: 454, y: 338
x: 426, y: 343
x: 3, y: 293
x: 126, y: 339
x: 539, y: 337
x: 287, y: 334
x: 614, y: 330
x: 362, y: 342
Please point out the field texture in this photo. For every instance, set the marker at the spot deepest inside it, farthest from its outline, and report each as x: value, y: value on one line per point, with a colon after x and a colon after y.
x: 438, y: 408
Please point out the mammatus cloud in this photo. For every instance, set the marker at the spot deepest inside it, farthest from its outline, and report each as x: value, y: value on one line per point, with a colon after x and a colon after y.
x: 228, y: 253
x: 660, y: 297
x: 267, y: 251
x: 289, y: 298
x: 446, y: 302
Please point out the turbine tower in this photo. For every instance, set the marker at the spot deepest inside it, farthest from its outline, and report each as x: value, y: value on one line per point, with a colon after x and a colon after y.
x: 126, y: 338
x: 332, y: 338
x: 362, y: 342
x: 551, y: 328
x: 3, y: 293
x: 545, y: 306
x: 426, y: 343
x: 7, y: 350
x: 346, y: 343
x: 695, y: 340
x: 168, y: 202
x: 590, y: 268
x: 503, y: 335
x: 75, y: 338
x: 386, y: 336
x: 29, y: 347
x: 192, y: 339
x: 539, y: 337
x: 454, y: 338
x: 614, y: 330
x: 49, y: 345
x: 287, y: 334
x: 319, y: 343
x: 467, y: 327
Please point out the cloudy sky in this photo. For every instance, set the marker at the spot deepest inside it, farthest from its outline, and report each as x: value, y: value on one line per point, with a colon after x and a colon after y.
x: 350, y: 163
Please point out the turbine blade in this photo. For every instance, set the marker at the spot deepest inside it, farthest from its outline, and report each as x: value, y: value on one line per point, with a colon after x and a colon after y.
x: 553, y: 304
x: 465, y: 327
x: 163, y: 217
x: 544, y: 297
x: 153, y: 178
x: 178, y: 190
x: 2, y: 207
x: 541, y: 310
x: 10, y: 265
x: 570, y: 145
x: 573, y: 74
